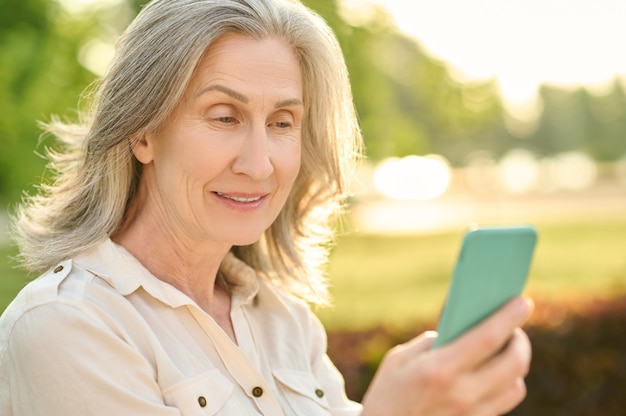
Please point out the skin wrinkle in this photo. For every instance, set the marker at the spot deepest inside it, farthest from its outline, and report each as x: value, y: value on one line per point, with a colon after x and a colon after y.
x: 228, y: 91
x: 242, y: 98
x: 236, y: 132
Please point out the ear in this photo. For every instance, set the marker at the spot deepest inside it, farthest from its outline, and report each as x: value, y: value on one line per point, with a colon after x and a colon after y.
x: 142, y: 146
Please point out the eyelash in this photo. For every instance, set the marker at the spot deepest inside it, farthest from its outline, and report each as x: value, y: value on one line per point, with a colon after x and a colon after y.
x: 233, y: 120
x: 281, y: 121
x: 282, y: 124
x: 226, y: 119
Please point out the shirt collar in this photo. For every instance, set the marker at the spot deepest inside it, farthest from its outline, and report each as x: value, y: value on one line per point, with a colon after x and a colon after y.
x: 121, y: 270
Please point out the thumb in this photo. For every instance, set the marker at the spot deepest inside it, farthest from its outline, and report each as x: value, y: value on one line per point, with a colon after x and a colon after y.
x: 419, y: 344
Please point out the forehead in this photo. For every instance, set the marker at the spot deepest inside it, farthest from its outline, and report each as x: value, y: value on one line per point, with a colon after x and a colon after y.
x: 244, y: 59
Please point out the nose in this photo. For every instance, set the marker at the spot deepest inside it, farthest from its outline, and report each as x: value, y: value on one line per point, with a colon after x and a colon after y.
x: 254, y: 158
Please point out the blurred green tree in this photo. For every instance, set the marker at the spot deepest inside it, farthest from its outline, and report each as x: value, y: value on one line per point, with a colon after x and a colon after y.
x: 576, y: 119
x: 606, y: 115
x: 408, y: 102
x: 39, y: 75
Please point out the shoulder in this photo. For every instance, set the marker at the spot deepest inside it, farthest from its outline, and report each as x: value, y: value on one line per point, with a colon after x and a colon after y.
x: 65, y: 293
x: 44, y: 289
x: 63, y: 283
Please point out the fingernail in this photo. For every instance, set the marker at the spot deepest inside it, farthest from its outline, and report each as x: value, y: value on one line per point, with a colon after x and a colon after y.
x: 528, y: 305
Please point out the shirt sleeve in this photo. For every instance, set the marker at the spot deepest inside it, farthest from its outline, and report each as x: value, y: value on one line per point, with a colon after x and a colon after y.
x: 63, y: 361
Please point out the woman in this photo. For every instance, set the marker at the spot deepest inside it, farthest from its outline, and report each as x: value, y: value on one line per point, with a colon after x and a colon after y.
x: 187, y: 225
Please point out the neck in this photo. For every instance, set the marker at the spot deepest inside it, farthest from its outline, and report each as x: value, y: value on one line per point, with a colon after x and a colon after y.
x: 189, y: 265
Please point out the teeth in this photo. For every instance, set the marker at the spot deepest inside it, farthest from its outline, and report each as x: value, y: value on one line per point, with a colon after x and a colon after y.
x: 239, y: 199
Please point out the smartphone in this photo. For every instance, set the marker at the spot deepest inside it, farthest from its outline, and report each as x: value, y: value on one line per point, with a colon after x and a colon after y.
x: 491, y: 269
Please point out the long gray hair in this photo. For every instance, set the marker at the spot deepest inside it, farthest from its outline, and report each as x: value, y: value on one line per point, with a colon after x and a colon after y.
x: 96, y: 175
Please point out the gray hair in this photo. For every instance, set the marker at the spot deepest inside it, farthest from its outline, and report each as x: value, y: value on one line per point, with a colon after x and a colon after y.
x: 96, y: 175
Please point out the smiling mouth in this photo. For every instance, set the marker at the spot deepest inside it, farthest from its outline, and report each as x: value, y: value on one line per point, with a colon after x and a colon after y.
x: 238, y: 198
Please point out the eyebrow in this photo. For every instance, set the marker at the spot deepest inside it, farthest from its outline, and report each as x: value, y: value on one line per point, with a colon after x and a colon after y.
x: 289, y: 103
x: 242, y: 98
x: 228, y: 91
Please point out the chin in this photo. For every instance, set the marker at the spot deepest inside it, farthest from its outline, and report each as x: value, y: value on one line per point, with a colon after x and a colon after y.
x: 244, y: 243
x: 246, y: 240
x: 240, y: 233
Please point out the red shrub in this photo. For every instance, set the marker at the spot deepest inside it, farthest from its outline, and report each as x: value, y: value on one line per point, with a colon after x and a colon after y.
x: 579, y: 358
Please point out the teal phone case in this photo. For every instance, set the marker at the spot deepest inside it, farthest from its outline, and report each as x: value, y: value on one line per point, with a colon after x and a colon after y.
x: 492, y: 268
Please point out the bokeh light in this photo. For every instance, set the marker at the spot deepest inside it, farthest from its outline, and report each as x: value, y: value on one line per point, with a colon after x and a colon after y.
x: 412, y: 177
x: 620, y: 170
x: 481, y: 173
x: 95, y: 55
x: 572, y: 171
x: 519, y: 171
x: 80, y: 6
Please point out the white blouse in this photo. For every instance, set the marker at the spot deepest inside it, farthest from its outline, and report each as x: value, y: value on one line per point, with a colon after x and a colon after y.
x: 100, y: 335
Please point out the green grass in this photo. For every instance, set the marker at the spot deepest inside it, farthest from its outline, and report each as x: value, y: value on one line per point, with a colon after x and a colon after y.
x: 388, y: 279
x: 402, y: 280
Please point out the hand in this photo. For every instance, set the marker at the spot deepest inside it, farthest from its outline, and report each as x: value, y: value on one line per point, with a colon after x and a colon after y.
x: 479, y: 374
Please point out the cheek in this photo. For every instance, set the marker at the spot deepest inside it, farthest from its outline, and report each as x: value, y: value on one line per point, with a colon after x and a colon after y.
x: 290, y: 161
x: 194, y: 160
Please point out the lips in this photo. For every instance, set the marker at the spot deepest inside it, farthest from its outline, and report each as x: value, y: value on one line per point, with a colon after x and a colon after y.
x: 239, y: 198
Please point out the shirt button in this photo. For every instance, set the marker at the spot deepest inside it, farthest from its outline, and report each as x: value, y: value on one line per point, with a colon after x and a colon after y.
x: 202, y: 401
x: 319, y: 393
x: 58, y: 269
x: 257, y: 392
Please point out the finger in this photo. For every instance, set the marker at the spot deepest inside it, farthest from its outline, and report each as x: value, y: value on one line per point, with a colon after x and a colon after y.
x: 508, y: 398
x: 483, y: 341
x: 422, y: 342
x: 512, y: 362
x: 511, y: 398
x: 401, y: 355
x: 413, y: 348
x: 502, y: 377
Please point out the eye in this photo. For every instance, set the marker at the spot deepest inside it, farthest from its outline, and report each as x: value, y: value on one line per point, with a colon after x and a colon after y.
x: 222, y: 115
x: 282, y: 124
x: 283, y: 120
x: 226, y: 119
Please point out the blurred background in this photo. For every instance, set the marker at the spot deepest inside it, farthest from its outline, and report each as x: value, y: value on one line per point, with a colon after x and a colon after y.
x: 483, y: 112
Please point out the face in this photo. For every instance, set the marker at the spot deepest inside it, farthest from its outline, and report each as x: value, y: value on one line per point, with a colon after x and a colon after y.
x: 222, y: 167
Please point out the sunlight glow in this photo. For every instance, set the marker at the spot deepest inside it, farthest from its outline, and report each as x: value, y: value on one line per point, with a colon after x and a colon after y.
x: 80, y: 6
x: 572, y: 171
x: 620, y: 170
x: 519, y: 171
x: 522, y: 172
x: 522, y: 43
x: 95, y: 55
x: 413, y: 177
x: 481, y: 173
